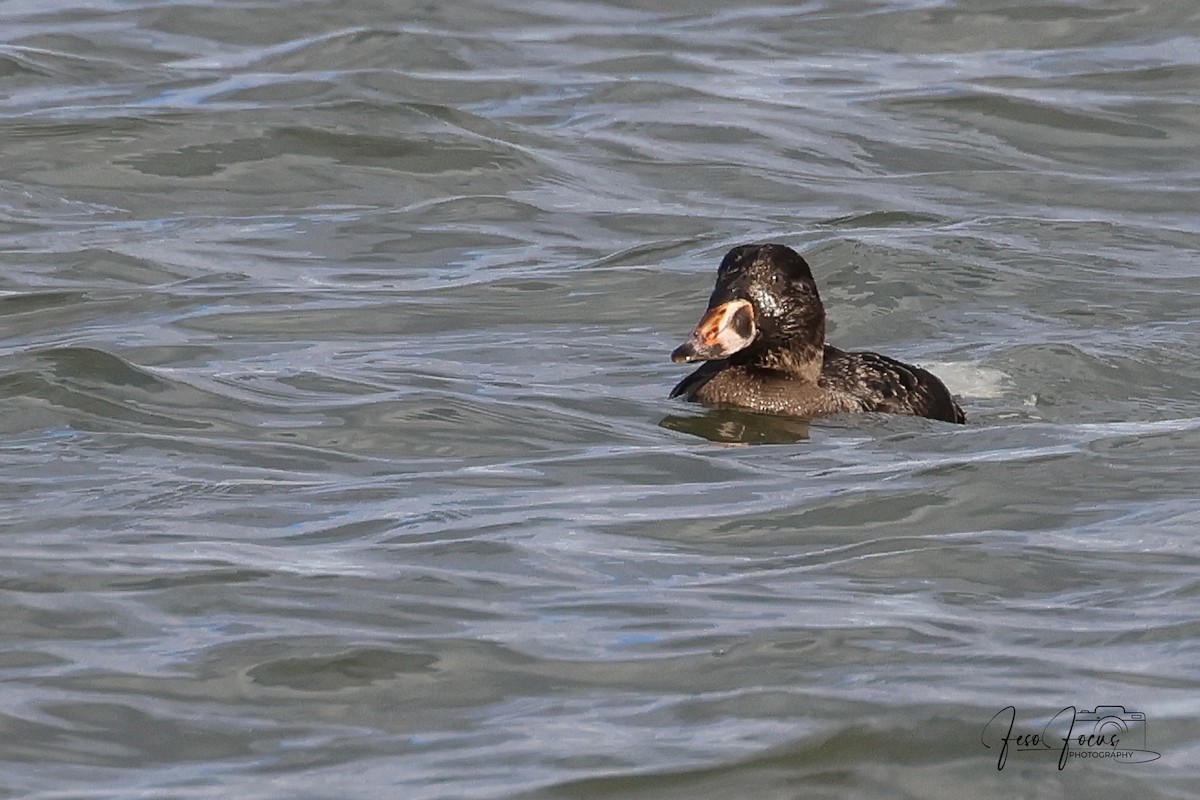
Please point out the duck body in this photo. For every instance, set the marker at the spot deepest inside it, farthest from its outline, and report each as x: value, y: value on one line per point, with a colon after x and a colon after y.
x: 763, y: 343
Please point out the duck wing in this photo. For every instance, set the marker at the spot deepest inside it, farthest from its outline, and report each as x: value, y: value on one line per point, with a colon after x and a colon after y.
x: 692, y: 383
x: 879, y: 383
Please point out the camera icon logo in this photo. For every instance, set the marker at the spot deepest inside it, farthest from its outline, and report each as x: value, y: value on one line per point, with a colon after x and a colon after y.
x: 1129, y: 727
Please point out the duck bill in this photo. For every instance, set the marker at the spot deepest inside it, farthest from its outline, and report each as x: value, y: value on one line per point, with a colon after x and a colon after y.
x: 724, y: 330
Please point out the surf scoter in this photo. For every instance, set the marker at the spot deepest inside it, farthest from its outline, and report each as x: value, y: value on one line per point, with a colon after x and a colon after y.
x: 763, y: 338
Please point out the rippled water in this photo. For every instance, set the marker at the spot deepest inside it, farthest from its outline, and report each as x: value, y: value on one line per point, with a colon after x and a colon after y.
x: 337, y: 454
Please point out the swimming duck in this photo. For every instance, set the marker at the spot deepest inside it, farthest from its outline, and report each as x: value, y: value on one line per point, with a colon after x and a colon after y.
x: 763, y: 338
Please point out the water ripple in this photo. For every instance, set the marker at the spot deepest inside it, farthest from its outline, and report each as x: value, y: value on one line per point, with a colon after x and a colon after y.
x: 337, y: 450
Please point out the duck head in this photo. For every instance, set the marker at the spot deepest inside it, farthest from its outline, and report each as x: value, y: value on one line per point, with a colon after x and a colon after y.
x: 765, y: 311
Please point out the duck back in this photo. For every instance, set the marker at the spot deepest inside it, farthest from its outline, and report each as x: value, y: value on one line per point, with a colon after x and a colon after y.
x: 879, y: 383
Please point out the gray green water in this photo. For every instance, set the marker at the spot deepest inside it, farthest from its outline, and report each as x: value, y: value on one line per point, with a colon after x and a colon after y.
x: 337, y: 459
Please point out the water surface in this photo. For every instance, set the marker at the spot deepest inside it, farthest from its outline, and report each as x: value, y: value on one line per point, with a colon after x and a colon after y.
x: 337, y: 454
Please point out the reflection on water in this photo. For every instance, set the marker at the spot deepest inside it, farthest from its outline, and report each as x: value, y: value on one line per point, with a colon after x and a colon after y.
x: 732, y: 426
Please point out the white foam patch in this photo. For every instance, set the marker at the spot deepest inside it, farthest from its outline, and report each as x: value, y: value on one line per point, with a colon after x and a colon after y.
x: 970, y: 380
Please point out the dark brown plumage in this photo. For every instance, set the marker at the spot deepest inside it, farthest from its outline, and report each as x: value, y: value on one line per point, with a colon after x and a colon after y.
x: 763, y: 338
